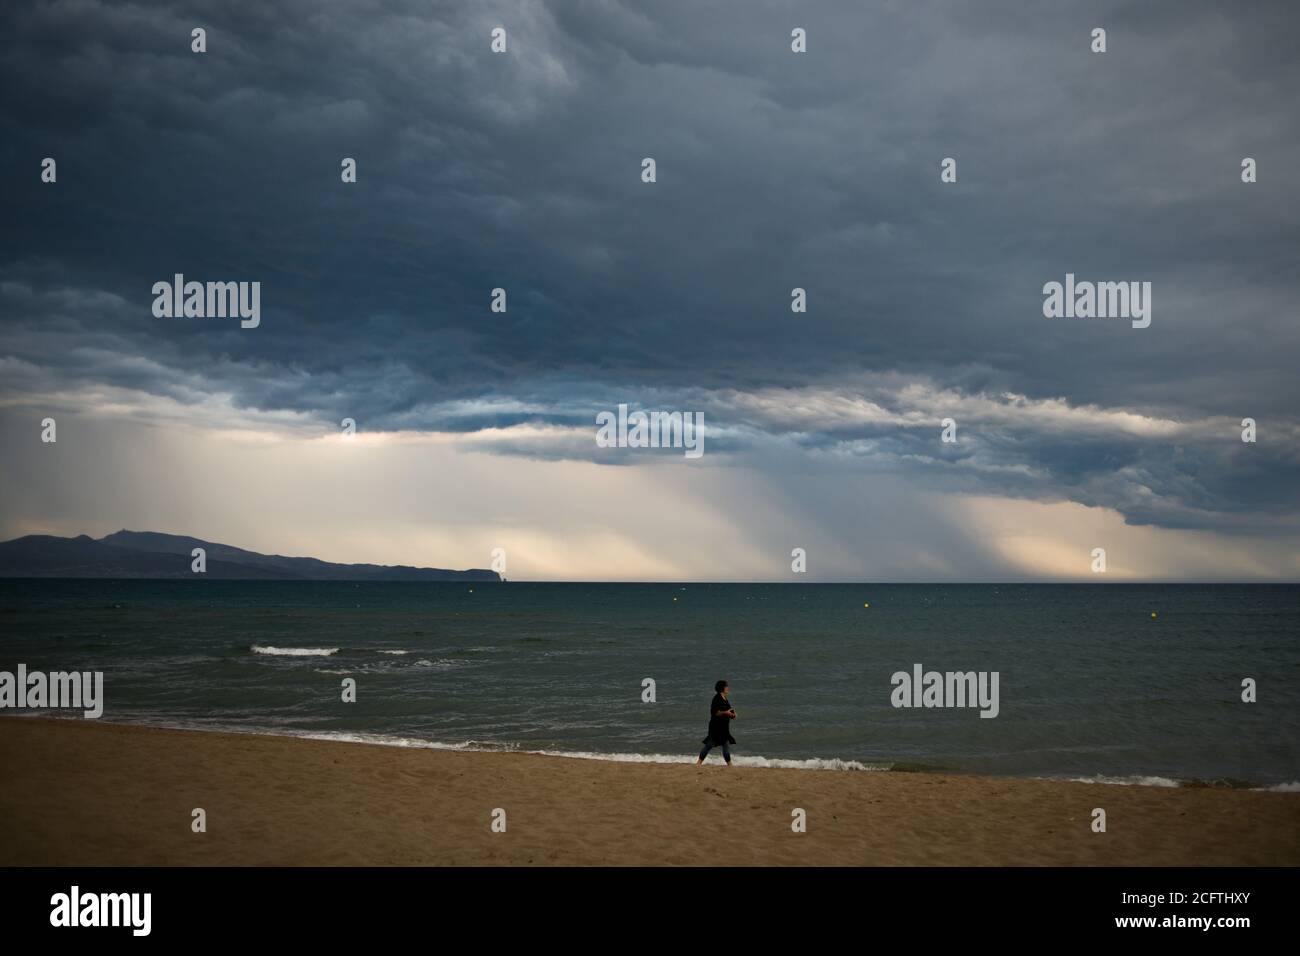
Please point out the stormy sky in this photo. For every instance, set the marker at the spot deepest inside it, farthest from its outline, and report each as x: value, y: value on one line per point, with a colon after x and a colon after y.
x: 775, y: 170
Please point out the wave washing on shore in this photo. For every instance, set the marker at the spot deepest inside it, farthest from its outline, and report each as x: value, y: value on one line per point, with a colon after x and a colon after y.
x: 1143, y: 781
x: 1136, y: 780
x: 1125, y: 685
x: 811, y: 763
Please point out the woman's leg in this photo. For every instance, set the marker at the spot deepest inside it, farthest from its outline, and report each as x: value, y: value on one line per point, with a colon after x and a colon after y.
x: 726, y: 753
x: 705, y: 752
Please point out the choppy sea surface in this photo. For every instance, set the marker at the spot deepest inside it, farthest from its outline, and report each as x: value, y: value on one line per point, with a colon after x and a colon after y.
x: 1091, y: 684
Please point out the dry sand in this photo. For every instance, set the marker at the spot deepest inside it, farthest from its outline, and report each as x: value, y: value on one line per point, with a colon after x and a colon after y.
x: 81, y: 793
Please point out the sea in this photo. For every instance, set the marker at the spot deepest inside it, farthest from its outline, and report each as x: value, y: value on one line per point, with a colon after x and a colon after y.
x: 1115, y: 683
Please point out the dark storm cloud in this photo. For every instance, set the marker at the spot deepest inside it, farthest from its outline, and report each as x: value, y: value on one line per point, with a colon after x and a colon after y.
x: 775, y: 171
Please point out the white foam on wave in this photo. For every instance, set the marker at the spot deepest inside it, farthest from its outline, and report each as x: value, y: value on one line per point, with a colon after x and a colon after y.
x: 811, y: 763
x: 383, y: 740
x: 1136, y: 780
x: 295, y: 651
x: 389, y: 667
x: 474, y: 746
x: 395, y: 653
x: 1292, y: 786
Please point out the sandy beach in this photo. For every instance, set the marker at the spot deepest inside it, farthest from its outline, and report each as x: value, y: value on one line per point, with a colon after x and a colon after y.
x: 81, y: 793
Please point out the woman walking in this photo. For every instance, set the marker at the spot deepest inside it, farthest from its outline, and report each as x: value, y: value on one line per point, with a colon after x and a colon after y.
x: 721, y: 714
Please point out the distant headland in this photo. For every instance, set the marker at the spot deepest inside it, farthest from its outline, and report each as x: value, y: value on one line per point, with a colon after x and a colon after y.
x: 150, y: 554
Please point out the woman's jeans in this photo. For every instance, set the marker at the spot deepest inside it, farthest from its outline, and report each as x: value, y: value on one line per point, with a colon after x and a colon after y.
x: 726, y: 751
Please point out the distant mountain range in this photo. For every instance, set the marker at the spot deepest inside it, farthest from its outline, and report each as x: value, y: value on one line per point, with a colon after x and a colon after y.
x: 148, y: 554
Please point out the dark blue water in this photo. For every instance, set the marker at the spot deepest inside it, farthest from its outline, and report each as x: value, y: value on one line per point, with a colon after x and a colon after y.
x: 1090, y: 685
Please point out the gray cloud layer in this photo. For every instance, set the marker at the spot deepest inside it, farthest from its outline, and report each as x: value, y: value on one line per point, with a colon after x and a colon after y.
x: 775, y: 171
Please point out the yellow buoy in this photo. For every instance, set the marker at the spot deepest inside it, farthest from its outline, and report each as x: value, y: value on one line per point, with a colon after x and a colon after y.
x: 1153, y: 613
x: 866, y: 605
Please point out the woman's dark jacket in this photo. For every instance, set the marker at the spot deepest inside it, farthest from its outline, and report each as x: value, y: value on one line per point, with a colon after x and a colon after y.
x: 719, y: 726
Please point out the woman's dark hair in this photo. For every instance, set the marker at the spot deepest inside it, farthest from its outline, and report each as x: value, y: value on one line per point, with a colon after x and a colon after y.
x: 717, y: 688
